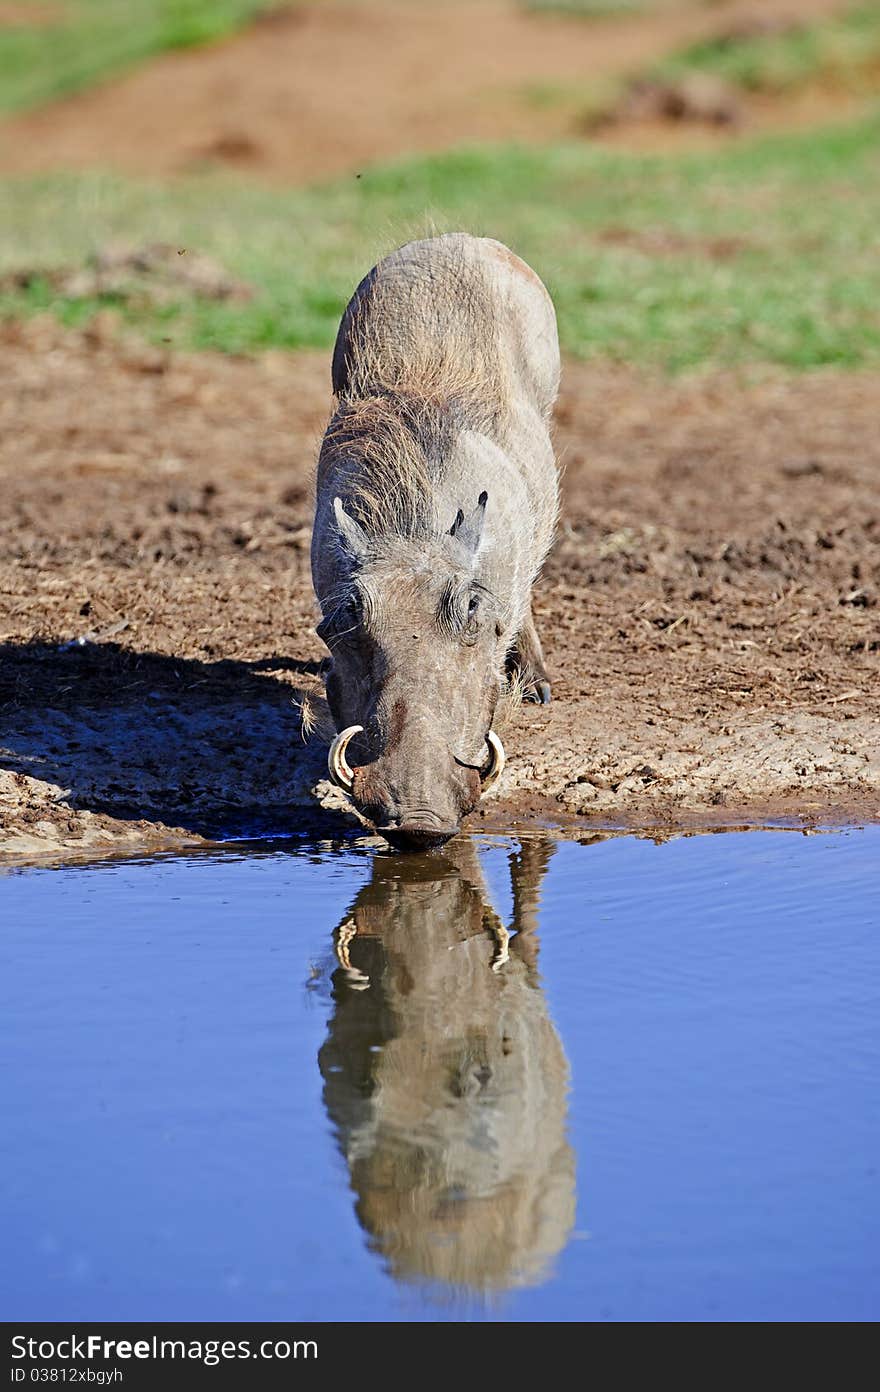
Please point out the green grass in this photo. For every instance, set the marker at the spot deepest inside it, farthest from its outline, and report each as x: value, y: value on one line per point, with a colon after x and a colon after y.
x: 76, y: 43
x: 802, y: 212
x: 587, y: 9
x: 845, y: 47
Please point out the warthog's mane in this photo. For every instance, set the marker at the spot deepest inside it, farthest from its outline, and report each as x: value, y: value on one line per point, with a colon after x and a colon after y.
x: 390, y: 446
x: 409, y: 383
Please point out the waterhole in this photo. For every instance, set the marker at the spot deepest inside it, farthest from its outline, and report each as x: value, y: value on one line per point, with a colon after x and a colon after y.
x: 520, y: 1079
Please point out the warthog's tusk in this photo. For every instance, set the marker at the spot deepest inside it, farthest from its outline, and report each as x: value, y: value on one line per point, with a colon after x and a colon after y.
x: 497, y: 760
x: 337, y: 763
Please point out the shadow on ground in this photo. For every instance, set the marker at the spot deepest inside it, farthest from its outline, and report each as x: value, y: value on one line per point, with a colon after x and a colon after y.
x: 212, y: 748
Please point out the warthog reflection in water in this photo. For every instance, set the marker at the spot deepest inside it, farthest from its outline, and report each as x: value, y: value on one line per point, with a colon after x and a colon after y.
x: 444, y: 1076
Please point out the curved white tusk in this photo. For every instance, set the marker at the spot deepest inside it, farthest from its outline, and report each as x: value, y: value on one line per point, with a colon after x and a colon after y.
x: 337, y: 763
x: 497, y: 760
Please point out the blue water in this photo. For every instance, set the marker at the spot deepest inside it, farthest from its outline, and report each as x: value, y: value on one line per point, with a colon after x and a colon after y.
x: 317, y: 1082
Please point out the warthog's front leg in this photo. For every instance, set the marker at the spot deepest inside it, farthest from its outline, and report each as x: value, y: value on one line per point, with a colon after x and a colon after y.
x: 526, y: 658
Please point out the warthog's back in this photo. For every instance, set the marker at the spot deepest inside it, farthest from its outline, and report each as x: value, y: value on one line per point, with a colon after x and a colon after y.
x: 457, y: 313
x: 449, y: 342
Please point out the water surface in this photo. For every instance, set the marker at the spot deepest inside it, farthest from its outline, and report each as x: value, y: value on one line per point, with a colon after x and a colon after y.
x: 516, y: 1080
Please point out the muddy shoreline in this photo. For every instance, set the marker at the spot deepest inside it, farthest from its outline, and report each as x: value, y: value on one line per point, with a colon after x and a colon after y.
x: 710, y: 609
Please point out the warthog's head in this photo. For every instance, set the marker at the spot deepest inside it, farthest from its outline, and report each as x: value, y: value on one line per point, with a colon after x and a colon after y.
x: 418, y: 646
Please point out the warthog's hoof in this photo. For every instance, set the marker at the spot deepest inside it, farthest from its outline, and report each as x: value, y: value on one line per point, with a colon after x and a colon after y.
x: 537, y: 694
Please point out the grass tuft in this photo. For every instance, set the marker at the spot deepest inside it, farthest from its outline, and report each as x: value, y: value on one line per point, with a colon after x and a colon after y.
x: 845, y: 48
x: 587, y: 9
x: 74, y: 44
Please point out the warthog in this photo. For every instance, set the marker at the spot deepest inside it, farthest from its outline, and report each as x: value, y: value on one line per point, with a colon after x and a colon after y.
x: 444, y: 1077
x: 436, y: 503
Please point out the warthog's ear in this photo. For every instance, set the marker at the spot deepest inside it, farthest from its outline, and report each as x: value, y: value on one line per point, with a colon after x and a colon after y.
x: 468, y: 530
x: 352, y: 535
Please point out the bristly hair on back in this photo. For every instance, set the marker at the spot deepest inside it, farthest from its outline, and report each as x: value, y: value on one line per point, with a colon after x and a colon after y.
x: 418, y: 335
x: 407, y: 388
x: 390, y: 448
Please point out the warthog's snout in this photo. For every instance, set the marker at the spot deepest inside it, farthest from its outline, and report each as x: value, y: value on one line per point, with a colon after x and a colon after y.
x: 413, y: 823
x: 416, y: 804
x: 411, y: 836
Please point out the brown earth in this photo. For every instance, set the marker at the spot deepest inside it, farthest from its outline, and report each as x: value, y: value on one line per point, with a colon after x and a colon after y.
x: 316, y: 90
x: 710, y: 610
x: 29, y: 14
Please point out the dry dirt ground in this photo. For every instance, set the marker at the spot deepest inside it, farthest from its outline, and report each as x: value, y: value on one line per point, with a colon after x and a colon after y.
x: 320, y: 89
x: 710, y: 610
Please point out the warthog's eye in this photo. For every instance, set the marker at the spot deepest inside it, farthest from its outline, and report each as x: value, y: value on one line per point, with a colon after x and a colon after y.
x: 472, y: 623
x: 463, y: 611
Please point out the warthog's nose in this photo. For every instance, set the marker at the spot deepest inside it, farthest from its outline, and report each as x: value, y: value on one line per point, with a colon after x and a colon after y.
x: 416, y: 838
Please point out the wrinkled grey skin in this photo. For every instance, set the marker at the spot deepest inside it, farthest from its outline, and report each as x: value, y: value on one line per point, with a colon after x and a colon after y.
x: 429, y: 535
